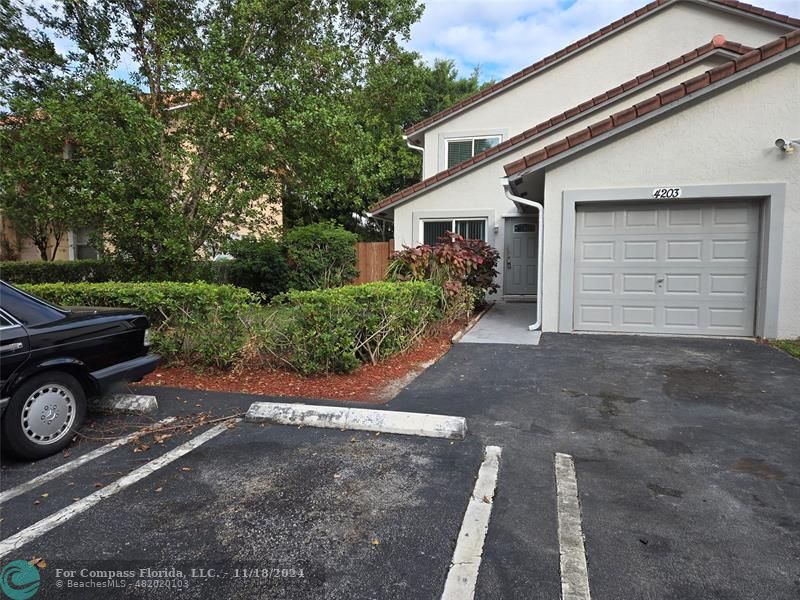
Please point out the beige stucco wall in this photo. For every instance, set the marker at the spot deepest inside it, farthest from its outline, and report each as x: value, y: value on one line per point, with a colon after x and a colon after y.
x: 726, y: 139
x: 23, y: 248
x: 658, y: 38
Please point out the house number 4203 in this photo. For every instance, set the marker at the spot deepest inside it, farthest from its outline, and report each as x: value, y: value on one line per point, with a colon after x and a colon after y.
x: 667, y: 192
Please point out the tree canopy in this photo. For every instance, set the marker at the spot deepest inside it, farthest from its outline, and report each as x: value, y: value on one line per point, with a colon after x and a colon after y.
x: 232, y: 106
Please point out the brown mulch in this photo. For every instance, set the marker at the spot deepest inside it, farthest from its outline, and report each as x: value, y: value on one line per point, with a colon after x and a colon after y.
x: 369, y: 383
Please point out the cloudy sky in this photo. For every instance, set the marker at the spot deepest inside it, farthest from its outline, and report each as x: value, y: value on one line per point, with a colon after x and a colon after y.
x: 503, y: 36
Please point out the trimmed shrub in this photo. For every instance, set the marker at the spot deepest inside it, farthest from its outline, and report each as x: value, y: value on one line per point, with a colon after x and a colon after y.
x: 259, y: 265
x: 320, y: 256
x: 99, y: 271
x: 39, y: 271
x: 335, y: 330
x: 197, y: 323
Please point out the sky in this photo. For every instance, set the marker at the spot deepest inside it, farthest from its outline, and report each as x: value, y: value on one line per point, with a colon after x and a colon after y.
x: 503, y: 36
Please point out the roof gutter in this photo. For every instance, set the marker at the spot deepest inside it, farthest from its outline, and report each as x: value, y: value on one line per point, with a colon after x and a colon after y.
x: 539, y: 271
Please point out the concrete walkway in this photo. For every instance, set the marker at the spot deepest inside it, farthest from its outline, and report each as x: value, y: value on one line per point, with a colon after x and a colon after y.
x: 505, y: 323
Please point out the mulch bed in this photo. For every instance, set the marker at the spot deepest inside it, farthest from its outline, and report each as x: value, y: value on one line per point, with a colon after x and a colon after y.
x: 366, y: 384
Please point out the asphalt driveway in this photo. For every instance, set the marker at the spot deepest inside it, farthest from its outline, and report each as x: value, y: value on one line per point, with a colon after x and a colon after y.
x: 687, y: 458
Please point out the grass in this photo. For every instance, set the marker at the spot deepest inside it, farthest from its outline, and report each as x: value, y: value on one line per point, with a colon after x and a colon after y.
x: 790, y: 346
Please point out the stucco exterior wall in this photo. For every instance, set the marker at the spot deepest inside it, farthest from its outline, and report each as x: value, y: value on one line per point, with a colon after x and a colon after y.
x: 16, y: 247
x: 479, y: 193
x: 660, y: 37
x: 726, y: 139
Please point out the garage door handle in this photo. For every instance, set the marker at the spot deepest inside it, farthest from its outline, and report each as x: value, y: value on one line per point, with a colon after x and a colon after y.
x: 10, y: 347
x: 660, y: 280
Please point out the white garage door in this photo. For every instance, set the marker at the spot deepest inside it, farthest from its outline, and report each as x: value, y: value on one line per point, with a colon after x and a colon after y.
x: 677, y: 268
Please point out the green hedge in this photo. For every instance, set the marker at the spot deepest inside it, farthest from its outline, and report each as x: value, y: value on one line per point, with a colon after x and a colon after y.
x: 320, y: 256
x: 198, y: 323
x: 100, y: 271
x: 335, y: 330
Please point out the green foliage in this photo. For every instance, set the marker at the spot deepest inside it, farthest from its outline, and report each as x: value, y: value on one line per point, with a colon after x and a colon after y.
x: 99, y: 271
x: 790, y: 346
x: 72, y: 156
x: 67, y: 271
x: 259, y: 265
x: 195, y: 323
x: 457, y: 266
x: 320, y: 256
x: 335, y: 330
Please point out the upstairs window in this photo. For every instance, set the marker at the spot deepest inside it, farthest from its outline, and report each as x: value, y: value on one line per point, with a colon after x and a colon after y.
x: 469, y: 229
x: 461, y: 149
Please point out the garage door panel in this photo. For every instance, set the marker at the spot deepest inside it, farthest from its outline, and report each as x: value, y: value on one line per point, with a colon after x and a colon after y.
x: 683, y: 269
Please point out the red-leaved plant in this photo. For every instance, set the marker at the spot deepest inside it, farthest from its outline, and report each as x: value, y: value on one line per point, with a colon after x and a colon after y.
x: 457, y: 265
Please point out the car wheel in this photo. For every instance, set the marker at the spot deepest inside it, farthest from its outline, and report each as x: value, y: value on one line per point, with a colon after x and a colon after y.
x: 43, y: 415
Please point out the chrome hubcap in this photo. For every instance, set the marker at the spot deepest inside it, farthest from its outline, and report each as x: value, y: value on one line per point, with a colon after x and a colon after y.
x: 48, y: 414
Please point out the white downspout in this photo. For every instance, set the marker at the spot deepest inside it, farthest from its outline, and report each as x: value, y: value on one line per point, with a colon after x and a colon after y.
x: 412, y: 146
x: 539, y: 209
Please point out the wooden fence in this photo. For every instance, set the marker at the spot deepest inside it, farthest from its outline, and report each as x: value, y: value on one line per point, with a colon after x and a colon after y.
x: 373, y: 259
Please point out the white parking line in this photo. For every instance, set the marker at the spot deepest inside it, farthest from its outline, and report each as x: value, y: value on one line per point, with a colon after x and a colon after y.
x: 574, y: 574
x: 361, y: 419
x: 81, y: 460
x: 21, y: 538
x: 463, y: 574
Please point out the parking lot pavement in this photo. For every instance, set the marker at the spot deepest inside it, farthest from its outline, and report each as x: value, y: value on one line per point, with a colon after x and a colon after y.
x: 257, y: 511
x: 686, y: 454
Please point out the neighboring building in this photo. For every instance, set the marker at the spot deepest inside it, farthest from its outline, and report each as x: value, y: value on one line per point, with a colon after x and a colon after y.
x: 651, y: 147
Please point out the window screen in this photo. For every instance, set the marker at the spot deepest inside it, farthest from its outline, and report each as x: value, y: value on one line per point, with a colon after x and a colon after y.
x: 472, y: 230
x: 460, y: 150
x: 433, y: 230
x: 482, y: 144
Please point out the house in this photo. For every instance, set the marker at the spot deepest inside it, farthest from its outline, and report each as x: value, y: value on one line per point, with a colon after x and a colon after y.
x: 632, y: 181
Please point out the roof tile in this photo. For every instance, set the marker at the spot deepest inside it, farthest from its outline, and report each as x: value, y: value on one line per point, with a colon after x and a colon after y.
x: 663, y: 98
x: 575, y: 46
x: 515, y: 166
x: 620, y: 118
x: 748, y: 60
x: 722, y: 71
x: 601, y: 127
x: 646, y: 106
x: 697, y: 82
x: 579, y: 137
x: 672, y: 94
x: 623, y: 116
x: 557, y: 147
x: 772, y: 48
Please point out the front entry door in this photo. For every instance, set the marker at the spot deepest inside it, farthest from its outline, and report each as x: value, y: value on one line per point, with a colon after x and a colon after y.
x: 522, y: 244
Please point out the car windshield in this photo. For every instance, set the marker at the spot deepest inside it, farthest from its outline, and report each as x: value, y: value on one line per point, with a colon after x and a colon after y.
x: 25, y: 308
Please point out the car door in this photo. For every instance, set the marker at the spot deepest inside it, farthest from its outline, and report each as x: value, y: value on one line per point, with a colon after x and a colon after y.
x: 14, y: 349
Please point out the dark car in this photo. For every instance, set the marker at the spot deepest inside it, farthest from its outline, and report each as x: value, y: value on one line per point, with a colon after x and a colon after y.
x: 53, y: 359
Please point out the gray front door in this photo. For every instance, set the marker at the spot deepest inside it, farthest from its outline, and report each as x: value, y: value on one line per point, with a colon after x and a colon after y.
x: 522, y: 243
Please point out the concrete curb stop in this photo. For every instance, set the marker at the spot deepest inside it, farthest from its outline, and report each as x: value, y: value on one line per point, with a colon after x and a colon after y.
x: 125, y: 404
x: 360, y: 419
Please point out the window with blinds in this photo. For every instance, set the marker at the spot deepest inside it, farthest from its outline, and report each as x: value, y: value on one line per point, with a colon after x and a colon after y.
x: 470, y: 229
x: 465, y: 148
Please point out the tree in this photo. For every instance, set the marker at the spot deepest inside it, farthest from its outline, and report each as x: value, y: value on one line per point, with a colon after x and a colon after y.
x: 71, y: 154
x: 28, y: 58
x: 252, y: 95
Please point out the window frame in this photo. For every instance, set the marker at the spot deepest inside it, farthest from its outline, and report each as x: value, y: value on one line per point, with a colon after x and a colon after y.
x: 468, y: 138
x: 453, y: 221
